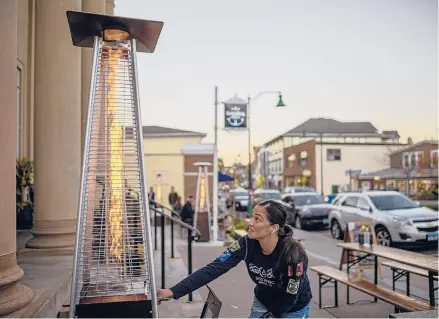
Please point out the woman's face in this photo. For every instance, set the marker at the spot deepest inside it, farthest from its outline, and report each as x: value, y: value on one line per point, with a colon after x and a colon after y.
x: 259, y: 226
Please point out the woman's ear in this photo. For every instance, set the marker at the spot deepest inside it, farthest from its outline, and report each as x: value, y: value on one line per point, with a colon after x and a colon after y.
x: 275, y: 227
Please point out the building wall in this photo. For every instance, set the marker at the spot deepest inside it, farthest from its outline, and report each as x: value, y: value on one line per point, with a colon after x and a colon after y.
x: 296, y: 170
x: 426, y: 148
x: 353, y: 156
x: 165, y: 155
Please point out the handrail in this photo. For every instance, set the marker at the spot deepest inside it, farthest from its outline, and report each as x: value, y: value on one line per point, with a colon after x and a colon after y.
x: 167, y: 208
x: 178, y: 221
x: 190, y: 237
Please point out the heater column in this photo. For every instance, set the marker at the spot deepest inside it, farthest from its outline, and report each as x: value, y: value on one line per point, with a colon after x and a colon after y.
x: 57, y: 126
x: 13, y: 296
x: 94, y: 6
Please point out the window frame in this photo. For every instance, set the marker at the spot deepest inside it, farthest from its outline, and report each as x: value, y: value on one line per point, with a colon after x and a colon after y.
x: 333, y: 152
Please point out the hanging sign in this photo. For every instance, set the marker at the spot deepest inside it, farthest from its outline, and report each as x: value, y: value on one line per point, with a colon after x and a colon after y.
x: 235, y: 116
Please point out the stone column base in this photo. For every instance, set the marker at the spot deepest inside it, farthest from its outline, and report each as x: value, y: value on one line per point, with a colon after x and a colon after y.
x: 53, y: 234
x: 13, y: 296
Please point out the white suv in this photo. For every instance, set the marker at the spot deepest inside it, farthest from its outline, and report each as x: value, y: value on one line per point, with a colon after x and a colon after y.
x: 396, y: 218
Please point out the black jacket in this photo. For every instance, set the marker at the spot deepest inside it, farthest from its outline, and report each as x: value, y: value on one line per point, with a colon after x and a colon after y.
x: 281, y: 290
x: 187, y: 212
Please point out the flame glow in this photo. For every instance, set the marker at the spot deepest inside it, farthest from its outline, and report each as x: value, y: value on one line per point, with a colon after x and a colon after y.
x: 158, y: 197
x: 202, y: 192
x: 116, y: 162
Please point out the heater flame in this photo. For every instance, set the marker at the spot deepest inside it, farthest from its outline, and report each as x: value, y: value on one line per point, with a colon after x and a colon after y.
x: 202, y: 192
x: 116, y: 162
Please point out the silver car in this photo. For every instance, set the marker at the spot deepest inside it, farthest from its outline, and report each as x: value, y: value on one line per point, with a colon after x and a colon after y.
x: 396, y: 218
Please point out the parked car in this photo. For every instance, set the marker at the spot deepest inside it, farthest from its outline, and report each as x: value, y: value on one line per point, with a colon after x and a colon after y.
x: 239, y: 196
x: 261, y: 194
x: 298, y: 189
x: 306, y: 210
x: 396, y: 218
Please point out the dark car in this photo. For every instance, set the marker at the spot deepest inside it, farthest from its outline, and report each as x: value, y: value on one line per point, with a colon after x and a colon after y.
x: 306, y: 210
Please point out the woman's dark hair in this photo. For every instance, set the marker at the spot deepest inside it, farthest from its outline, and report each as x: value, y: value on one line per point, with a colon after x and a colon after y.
x: 277, y: 214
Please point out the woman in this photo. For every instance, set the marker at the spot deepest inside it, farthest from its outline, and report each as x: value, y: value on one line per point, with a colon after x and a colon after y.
x: 275, y: 262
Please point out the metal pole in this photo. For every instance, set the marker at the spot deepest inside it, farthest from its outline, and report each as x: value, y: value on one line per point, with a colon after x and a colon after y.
x: 172, y: 238
x: 147, y: 249
x: 321, y: 164
x: 155, y: 229
x: 189, y: 256
x: 79, y: 224
x: 215, y: 171
x: 162, y: 246
x: 249, y: 206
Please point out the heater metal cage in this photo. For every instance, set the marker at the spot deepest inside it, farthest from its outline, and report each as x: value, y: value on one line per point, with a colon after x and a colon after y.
x: 113, y: 256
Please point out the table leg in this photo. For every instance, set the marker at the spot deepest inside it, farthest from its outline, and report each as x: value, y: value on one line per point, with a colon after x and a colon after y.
x: 431, y: 288
x: 347, y: 269
x: 376, y: 275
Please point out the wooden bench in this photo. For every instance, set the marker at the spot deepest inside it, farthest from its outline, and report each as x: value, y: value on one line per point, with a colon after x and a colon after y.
x: 400, y: 270
x: 400, y: 301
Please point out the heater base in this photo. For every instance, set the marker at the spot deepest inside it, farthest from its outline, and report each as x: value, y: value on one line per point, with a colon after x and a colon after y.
x: 118, y: 309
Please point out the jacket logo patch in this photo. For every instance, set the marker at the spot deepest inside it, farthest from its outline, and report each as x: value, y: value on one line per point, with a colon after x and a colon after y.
x: 293, y: 286
x: 299, y: 271
x: 234, y: 247
x: 226, y: 255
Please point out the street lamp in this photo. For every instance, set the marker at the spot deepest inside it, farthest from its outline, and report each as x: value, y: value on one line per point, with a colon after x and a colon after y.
x: 280, y: 103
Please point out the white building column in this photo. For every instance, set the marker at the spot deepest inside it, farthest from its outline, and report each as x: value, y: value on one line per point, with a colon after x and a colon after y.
x: 13, y: 295
x: 57, y: 126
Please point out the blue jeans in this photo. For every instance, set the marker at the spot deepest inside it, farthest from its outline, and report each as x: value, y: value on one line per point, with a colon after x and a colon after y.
x: 259, y: 309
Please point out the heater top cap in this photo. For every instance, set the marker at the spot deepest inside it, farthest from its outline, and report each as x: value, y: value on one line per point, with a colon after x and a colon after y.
x: 202, y: 164
x: 85, y: 26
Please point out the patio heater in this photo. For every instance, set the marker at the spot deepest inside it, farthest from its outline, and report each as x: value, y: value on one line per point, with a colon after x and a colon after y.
x: 113, y: 273
x: 202, y: 218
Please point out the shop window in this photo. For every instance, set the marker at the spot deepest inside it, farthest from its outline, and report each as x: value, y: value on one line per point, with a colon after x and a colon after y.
x: 303, y: 158
x: 291, y: 160
x: 333, y: 154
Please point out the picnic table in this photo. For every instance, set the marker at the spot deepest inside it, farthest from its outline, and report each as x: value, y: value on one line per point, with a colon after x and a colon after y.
x: 426, y: 262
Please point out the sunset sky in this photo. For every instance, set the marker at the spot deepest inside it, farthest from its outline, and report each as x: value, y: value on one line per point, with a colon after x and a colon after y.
x: 351, y: 60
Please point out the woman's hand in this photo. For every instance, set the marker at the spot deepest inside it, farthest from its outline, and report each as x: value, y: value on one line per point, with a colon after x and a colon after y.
x: 164, y: 294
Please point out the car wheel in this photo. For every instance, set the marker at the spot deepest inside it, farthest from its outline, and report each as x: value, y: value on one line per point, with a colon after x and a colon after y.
x: 297, y: 223
x: 383, y: 237
x: 336, y: 231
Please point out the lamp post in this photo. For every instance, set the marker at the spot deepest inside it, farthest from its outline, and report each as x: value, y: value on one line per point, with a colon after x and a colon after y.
x: 280, y: 103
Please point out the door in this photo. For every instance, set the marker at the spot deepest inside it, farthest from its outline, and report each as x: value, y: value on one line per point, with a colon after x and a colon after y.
x: 364, y: 211
x: 349, y: 210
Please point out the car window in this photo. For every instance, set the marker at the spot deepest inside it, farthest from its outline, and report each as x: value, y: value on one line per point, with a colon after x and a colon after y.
x: 270, y: 195
x: 241, y: 194
x: 362, y: 203
x: 350, y: 201
x: 307, y: 200
x: 392, y: 201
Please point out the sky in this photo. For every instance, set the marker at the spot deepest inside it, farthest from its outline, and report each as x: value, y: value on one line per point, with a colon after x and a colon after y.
x: 351, y: 60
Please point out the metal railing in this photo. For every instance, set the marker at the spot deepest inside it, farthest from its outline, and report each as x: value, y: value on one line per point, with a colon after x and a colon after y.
x: 192, y: 234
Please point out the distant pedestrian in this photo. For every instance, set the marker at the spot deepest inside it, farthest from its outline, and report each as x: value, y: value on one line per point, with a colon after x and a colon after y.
x: 173, y: 195
x: 276, y: 263
x: 178, y: 206
x: 151, y: 197
x: 187, y: 213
